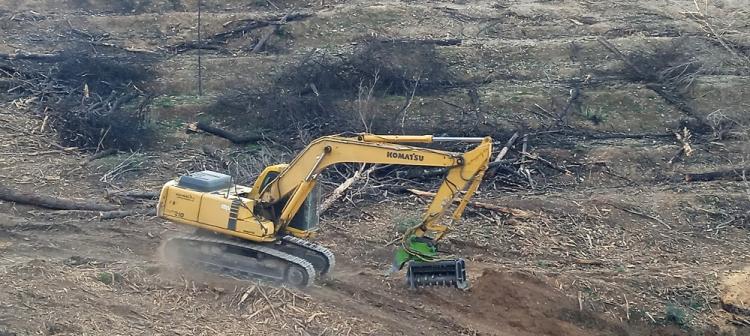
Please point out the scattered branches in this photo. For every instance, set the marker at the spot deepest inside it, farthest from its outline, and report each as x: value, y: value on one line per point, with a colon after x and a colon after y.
x: 239, y: 28
x: 704, y: 21
x: 241, y: 163
x: 667, y: 72
x: 99, y: 155
x: 518, y: 213
x: 133, y: 162
x: 91, y: 101
x: 324, y: 91
x: 127, y: 213
x: 641, y: 214
x: 503, y: 152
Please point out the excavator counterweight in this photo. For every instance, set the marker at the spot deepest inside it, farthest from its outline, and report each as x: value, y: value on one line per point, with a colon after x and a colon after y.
x: 261, y: 231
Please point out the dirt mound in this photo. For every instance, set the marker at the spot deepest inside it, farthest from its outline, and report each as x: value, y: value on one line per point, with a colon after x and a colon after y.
x: 505, y: 303
x: 519, y: 304
x: 735, y: 292
x: 520, y: 301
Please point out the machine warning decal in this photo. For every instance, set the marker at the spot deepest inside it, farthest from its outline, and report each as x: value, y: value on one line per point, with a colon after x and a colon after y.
x: 186, y: 197
x: 405, y: 156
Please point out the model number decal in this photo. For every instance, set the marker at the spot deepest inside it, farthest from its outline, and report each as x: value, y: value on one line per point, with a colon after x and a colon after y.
x: 186, y: 197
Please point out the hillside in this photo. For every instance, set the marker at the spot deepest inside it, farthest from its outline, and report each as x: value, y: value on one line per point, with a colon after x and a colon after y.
x: 631, y: 122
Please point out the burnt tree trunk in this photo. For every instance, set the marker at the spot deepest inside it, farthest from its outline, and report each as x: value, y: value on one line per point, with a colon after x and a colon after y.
x: 235, y: 138
x: 733, y: 175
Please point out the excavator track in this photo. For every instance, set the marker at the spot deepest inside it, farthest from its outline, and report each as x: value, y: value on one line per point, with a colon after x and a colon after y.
x: 241, y: 259
x: 322, y: 258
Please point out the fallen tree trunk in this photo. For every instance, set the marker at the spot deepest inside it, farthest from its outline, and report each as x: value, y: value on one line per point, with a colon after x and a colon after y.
x: 51, y: 202
x: 264, y: 39
x: 234, y: 138
x: 267, y: 36
x: 506, y: 210
x: 427, y: 173
x: 739, y: 174
x: 133, y: 194
x: 336, y: 194
x: 597, y: 135
x: 125, y: 213
x: 31, y: 56
x: 437, y: 42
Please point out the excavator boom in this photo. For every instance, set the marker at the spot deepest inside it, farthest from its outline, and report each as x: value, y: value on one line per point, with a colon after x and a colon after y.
x: 464, y: 170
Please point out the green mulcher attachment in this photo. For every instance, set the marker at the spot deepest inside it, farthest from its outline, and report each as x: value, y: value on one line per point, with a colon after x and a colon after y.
x: 425, y: 268
x: 443, y: 273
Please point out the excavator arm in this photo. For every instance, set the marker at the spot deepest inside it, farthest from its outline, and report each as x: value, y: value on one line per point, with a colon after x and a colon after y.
x: 464, y: 173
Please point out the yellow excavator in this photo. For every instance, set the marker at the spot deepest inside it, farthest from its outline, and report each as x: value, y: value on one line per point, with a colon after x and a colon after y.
x: 262, y: 231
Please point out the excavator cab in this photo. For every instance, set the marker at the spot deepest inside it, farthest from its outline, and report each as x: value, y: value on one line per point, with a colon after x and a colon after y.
x: 307, y: 218
x: 305, y: 221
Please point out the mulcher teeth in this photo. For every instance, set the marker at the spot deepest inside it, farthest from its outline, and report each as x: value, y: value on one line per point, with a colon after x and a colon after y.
x: 444, y: 273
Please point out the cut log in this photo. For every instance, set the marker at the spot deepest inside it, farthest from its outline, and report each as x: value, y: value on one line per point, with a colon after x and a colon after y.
x: 51, y: 202
x: 597, y: 135
x: 506, y: 210
x: 125, y: 213
x: 132, y: 194
x: 504, y: 151
x: 31, y: 56
x: 128, y: 49
x: 437, y: 42
x: 739, y: 174
x: 234, y: 138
